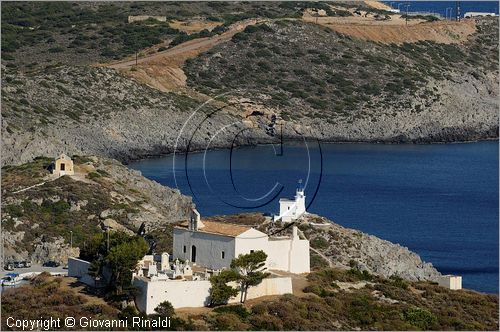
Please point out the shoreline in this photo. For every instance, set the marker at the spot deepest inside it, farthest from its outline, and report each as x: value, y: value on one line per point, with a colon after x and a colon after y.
x: 128, y: 160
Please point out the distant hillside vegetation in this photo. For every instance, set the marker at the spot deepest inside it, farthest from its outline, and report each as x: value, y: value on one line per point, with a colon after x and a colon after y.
x: 309, y: 71
x: 37, y: 34
x: 313, y: 81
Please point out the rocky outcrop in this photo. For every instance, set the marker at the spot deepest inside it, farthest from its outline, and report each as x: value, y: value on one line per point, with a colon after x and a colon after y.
x: 87, y: 110
x: 53, y: 251
x: 95, y: 111
x: 348, y: 248
x: 39, y: 223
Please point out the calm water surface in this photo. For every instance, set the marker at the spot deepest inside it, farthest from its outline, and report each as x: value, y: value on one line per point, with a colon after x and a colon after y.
x: 445, y: 8
x: 440, y: 201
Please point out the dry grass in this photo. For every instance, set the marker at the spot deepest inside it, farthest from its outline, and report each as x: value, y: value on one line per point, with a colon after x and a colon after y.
x: 55, y: 297
x: 395, y: 30
x: 194, y: 25
x: 247, y: 219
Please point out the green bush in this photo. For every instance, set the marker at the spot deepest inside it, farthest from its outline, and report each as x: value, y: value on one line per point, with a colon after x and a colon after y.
x: 421, y: 318
x: 360, y: 275
x: 93, y: 175
x: 319, y: 242
x: 55, y: 49
x: 55, y: 208
x: 238, y: 310
x: 398, y: 282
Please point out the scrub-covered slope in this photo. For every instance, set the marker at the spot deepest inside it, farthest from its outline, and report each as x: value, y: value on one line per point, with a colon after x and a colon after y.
x: 336, y: 87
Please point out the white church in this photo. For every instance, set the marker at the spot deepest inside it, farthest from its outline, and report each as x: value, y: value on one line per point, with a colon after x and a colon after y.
x: 214, y: 245
x: 203, y: 248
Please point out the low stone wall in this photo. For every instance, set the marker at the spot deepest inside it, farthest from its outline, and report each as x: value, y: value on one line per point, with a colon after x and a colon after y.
x: 269, y: 286
x: 197, y: 293
x: 138, y: 18
x: 78, y: 268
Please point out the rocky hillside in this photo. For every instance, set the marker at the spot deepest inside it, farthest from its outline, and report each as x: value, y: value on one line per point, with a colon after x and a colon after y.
x: 316, y: 82
x: 36, y: 35
x: 39, y: 212
x: 82, y: 110
x: 332, y: 86
x: 349, y: 248
x: 344, y: 248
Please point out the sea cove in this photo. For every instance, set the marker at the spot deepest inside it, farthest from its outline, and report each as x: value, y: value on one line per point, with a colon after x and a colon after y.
x: 440, y: 200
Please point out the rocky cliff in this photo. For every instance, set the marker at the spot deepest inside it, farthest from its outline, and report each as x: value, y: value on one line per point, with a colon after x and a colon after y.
x: 41, y: 214
x: 349, y: 248
x: 335, y: 246
x: 352, y: 91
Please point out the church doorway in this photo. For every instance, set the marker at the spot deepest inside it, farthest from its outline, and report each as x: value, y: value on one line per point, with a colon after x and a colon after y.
x: 193, y: 254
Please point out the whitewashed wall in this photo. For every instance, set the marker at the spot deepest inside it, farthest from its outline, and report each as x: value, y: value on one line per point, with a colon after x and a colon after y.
x: 209, y: 248
x: 269, y: 286
x: 299, y: 256
x: 78, y: 268
x: 289, y: 255
x: 279, y: 254
x: 450, y: 281
x: 196, y: 293
x: 251, y: 240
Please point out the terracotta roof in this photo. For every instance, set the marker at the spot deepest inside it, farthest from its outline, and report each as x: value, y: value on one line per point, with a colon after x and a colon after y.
x: 221, y: 228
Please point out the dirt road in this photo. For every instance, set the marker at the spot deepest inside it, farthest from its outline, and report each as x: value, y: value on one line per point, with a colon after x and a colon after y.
x: 163, y: 70
x: 179, y: 50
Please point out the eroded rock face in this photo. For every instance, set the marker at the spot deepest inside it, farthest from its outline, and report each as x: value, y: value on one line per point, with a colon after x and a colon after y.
x: 82, y: 110
x: 347, y: 248
x: 54, y: 251
x: 386, y: 259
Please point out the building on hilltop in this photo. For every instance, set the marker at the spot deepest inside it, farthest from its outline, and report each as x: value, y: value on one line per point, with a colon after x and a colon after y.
x: 292, y: 209
x: 139, y: 18
x: 479, y: 14
x: 214, y: 245
x: 450, y: 281
x: 63, y: 166
x: 202, y: 249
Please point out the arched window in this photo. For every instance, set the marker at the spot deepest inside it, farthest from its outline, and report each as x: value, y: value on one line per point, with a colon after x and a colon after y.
x: 193, y: 254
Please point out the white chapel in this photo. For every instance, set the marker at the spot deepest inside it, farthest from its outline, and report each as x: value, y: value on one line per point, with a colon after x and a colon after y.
x: 214, y: 245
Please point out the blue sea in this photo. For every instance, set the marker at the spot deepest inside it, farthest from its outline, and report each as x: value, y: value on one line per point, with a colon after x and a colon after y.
x: 445, y: 8
x: 438, y: 200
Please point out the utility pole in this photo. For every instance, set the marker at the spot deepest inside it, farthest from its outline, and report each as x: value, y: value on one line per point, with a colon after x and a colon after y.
x: 71, y: 239
x: 107, y: 244
x: 281, y: 139
x: 407, y: 5
x: 3, y: 254
x: 136, y: 58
